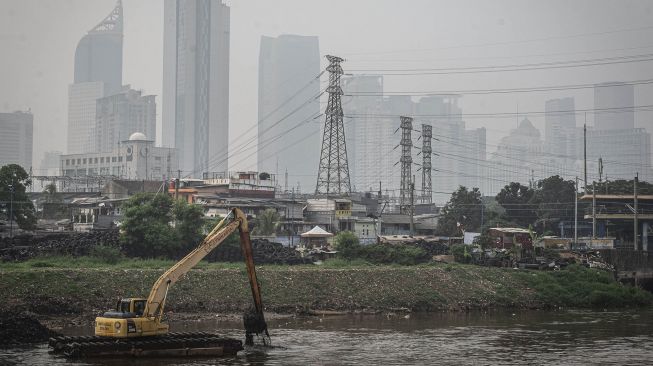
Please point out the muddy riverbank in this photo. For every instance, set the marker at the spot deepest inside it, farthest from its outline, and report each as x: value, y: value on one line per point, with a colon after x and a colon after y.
x: 52, y: 292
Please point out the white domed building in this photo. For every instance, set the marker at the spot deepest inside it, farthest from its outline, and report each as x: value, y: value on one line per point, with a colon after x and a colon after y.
x: 134, y: 159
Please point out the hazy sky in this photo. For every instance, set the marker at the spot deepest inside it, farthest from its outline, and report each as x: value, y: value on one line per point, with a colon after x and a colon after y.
x: 38, y: 40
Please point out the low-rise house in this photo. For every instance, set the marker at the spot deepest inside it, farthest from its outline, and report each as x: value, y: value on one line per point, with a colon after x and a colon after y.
x: 509, y: 237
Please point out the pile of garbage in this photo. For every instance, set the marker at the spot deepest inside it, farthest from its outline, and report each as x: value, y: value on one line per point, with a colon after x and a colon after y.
x: 265, y: 252
x: 25, y: 247
x: 431, y: 247
x: 20, y: 328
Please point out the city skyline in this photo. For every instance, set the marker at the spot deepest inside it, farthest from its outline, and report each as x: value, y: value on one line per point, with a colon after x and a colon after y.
x: 494, y: 43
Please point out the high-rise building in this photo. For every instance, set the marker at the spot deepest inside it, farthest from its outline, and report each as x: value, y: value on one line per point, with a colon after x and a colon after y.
x: 369, y: 134
x: 120, y: 115
x: 98, y: 72
x: 289, y: 108
x: 196, y: 84
x: 49, y: 165
x: 613, y: 103
x: 520, y: 157
x: 560, y: 126
x: 461, y: 153
x: 624, y: 153
x: 16, y: 139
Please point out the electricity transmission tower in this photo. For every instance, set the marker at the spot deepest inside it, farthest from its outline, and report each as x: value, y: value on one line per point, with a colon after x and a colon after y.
x: 333, y: 172
x: 406, y: 164
x: 427, y: 187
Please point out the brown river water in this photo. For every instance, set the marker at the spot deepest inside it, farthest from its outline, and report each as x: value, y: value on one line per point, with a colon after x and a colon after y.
x: 566, y: 337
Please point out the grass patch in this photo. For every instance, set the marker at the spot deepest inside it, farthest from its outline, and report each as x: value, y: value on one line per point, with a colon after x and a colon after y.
x: 99, y: 262
x: 578, y: 286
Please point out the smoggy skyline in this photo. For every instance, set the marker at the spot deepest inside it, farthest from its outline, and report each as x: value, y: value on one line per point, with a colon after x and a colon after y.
x: 39, y: 38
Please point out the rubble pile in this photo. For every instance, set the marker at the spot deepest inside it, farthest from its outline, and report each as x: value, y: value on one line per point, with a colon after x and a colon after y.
x: 265, y: 252
x: 20, y: 328
x: 68, y: 244
x: 432, y: 248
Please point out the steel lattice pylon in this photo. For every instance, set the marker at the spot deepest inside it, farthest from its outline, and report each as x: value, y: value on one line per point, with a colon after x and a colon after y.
x: 406, y: 164
x: 427, y: 187
x: 333, y: 172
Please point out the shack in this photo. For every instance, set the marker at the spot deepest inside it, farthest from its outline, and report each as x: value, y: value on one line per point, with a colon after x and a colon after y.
x: 509, y: 237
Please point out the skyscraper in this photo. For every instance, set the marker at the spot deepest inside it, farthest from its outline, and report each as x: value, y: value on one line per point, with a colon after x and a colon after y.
x: 560, y: 126
x: 16, y: 139
x: 120, y: 115
x: 196, y: 84
x: 288, y: 131
x: 612, y: 102
x: 98, y: 72
x: 370, y: 137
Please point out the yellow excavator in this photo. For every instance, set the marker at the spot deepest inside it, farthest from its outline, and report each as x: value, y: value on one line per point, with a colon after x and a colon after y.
x: 136, y: 319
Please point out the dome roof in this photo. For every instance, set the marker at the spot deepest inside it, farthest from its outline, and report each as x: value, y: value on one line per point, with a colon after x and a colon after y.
x: 137, y: 136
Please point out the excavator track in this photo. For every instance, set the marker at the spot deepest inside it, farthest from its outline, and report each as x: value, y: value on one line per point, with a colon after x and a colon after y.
x: 181, y: 344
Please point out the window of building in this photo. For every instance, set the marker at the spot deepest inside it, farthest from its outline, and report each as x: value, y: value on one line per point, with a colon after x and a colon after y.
x: 67, y: 161
x: 84, y: 161
x: 79, y: 161
x: 113, y: 159
x: 95, y: 161
x: 102, y: 160
x: 119, y: 158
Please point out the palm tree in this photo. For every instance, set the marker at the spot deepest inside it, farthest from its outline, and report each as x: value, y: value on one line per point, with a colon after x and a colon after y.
x: 266, y: 222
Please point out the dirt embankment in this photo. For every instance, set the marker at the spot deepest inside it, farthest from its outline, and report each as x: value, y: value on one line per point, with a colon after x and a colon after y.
x: 50, y: 291
x: 18, y: 328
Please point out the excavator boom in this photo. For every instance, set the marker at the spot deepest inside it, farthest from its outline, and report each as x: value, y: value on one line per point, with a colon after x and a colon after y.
x: 140, y: 317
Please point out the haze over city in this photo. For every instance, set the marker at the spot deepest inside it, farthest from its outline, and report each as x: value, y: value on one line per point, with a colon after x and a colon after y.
x: 423, y: 38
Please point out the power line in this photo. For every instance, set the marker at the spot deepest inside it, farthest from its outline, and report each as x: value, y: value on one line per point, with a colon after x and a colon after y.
x: 492, y: 91
x: 476, y: 45
x: 648, y: 107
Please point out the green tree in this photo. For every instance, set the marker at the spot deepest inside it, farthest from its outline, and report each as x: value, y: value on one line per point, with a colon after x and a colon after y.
x: 51, y: 194
x: 13, y: 177
x: 347, y: 245
x: 554, y: 198
x: 516, y: 198
x: 462, y: 212
x: 266, y: 222
x: 189, y: 221
x: 145, y: 229
x: 621, y: 186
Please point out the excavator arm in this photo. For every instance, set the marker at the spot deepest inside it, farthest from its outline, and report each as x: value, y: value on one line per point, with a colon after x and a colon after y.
x: 235, y: 220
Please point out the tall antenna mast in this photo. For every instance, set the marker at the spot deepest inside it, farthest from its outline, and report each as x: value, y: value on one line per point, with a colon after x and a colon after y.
x: 333, y: 172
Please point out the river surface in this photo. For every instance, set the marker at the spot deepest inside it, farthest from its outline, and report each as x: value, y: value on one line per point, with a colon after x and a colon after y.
x: 496, y: 338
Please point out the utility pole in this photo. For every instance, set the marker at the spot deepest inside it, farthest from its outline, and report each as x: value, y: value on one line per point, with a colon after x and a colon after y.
x: 585, y: 152
x: 576, y: 213
x: 333, y: 170
x: 11, y: 212
x: 177, y: 184
x: 593, y: 210
x: 635, y: 231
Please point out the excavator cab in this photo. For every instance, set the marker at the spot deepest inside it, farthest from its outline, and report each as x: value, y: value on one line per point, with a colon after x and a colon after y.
x: 129, y: 308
